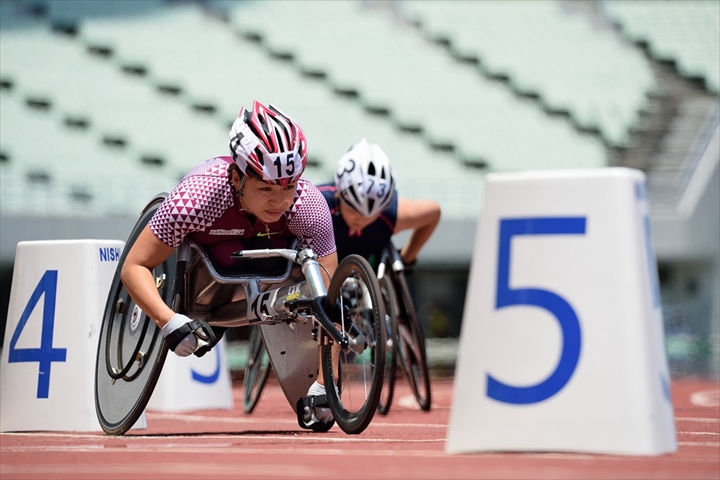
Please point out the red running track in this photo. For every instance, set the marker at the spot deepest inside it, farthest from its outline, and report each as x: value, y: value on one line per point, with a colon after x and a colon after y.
x: 406, y: 444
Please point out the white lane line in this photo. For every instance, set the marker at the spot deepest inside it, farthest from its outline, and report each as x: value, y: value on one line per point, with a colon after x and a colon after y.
x: 699, y: 444
x: 697, y: 419
x: 201, y: 418
x: 302, y: 449
x: 305, y: 449
x: 140, y: 470
x: 409, y: 402
x: 706, y: 398
x: 98, y: 436
x: 133, y: 439
x: 141, y: 441
x: 300, y: 444
x: 314, y: 450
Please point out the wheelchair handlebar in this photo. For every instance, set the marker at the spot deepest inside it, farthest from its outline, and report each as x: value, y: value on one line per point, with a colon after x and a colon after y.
x: 307, y: 259
x: 291, y: 255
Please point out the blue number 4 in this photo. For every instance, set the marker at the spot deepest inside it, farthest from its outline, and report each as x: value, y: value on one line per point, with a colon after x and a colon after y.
x: 553, y: 303
x: 46, y: 354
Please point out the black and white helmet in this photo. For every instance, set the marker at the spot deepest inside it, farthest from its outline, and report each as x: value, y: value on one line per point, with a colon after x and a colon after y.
x: 364, y: 179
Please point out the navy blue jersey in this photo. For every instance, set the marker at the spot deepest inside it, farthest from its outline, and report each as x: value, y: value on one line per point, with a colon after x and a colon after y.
x: 371, y: 239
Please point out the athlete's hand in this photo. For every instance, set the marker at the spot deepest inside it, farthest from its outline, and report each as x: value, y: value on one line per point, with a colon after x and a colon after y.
x: 187, y: 344
x: 409, y: 266
x: 324, y: 414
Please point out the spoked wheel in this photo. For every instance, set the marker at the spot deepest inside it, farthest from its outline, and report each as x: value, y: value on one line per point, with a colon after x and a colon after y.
x: 257, y: 370
x: 391, y: 319
x: 354, y: 374
x: 410, y: 347
x: 131, y: 349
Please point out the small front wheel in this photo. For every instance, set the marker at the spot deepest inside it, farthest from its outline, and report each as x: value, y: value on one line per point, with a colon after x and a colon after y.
x: 354, y: 374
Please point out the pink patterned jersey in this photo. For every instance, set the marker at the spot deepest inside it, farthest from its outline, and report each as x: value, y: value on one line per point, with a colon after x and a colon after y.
x: 205, y: 206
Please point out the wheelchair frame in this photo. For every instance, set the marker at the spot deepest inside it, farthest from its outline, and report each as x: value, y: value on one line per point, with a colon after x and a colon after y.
x: 299, y: 306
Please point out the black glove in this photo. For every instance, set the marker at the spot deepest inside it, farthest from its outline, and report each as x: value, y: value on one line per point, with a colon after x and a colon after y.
x: 185, y: 336
x: 410, y: 267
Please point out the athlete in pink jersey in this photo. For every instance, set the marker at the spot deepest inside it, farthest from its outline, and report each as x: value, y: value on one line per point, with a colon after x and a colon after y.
x: 227, y: 204
x: 206, y: 206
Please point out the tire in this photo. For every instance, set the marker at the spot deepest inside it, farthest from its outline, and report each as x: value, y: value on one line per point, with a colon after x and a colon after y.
x: 131, y: 349
x: 354, y: 386
x: 257, y: 370
x: 410, y: 347
x: 391, y: 319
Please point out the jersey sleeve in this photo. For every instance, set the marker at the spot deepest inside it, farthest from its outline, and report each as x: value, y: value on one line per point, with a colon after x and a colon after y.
x: 192, y: 206
x: 310, y: 220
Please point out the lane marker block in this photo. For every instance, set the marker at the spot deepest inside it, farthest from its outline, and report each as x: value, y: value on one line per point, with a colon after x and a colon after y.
x: 192, y: 383
x: 57, y: 298
x: 561, y: 347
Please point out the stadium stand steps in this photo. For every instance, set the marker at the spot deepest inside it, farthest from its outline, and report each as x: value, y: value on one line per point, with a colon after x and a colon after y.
x: 569, y: 67
x: 131, y: 164
x: 684, y: 34
x: 178, y: 93
x: 418, y: 92
x: 661, y: 145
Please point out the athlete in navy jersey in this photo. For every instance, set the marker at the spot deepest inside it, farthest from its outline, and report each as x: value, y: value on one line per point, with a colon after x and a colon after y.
x: 366, y: 242
x: 367, y: 211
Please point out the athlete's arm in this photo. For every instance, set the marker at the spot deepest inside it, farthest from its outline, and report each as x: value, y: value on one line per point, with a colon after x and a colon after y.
x: 146, y: 253
x: 312, y: 223
x: 330, y: 262
x: 420, y: 216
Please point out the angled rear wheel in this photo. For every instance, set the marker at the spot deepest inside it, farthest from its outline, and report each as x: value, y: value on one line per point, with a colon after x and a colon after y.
x: 131, y: 349
x: 391, y: 320
x: 410, y: 347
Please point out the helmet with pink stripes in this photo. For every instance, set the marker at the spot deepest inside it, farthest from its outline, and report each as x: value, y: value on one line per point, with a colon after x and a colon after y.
x: 267, y: 144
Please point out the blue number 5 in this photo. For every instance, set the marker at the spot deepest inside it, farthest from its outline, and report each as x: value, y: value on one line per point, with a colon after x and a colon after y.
x: 46, y: 354
x: 553, y: 303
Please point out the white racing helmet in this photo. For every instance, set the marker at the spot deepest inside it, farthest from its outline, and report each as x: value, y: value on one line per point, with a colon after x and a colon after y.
x: 268, y: 144
x: 364, y: 179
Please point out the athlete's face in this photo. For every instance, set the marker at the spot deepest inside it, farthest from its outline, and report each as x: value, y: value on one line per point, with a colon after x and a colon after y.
x: 267, y: 202
x: 355, y: 220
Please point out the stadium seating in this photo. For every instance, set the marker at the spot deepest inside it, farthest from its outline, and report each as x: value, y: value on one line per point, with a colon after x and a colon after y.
x: 153, y: 88
x: 54, y: 169
x: 684, y: 31
x: 544, y: 51
x: 417, y: 83
x: 331, y: 123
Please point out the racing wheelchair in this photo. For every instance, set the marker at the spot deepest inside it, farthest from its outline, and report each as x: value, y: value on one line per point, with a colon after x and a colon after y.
x: 291, y: 307
x: 404, y: 333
